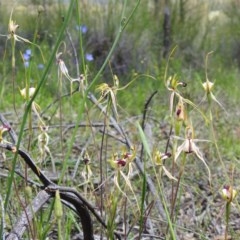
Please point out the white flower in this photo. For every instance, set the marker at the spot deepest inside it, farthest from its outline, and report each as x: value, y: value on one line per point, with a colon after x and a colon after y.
x: 31, y: 91
x: 189, y: 146
x: 63, y: 69
x: 208, y: 87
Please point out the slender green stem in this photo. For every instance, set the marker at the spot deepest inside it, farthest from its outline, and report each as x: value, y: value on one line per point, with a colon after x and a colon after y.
x: 13, y: 42
x: 177, y: 188
x: 59, y: 223
x: 213, y: 135
x: 144, y: 190
x: 228, y: 208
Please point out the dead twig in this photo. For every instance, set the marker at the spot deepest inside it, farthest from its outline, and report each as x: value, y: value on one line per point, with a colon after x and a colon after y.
x: 23, y: 221
x: 70, y: 197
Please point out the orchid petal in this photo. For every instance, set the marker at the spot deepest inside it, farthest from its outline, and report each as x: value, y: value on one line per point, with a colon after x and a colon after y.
x: 215, y: 99
x: 169, y: 175
x: 115, y: 179
x: 200, y: 156
x: 180, y: 149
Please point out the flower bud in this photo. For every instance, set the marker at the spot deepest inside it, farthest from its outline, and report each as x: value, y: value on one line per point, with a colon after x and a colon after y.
x: 228, y: 193
x: 160, y: 157
x: 208, y: 86
x: 3, y: 129
x: 12, y: 27
x: 28, y: 192
x: 180, y: 111
x: 58, y: 205
x: 31, y: 91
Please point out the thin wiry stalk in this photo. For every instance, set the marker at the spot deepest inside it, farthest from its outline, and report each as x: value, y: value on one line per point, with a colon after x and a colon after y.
x: 31, y: 230
x: 145, y: 115
x: 164, y: 210
x: 141, y: 220
x: 3, y: 223
x: 81, y: 84
x: 173, y: 203
x: 22, y: 223
x: 13, y: 42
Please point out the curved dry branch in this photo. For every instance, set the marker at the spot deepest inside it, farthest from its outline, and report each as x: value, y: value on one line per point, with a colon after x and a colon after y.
x: 70, y: 197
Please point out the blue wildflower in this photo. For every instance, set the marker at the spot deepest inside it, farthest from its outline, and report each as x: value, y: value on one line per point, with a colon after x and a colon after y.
x: 26, y: 57
x: 83, y: 28
x: 28, y: 52
x: 89, y: 57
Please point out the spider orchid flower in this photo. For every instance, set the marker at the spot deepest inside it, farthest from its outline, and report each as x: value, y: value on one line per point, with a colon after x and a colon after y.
x: 117, y: 163
x: 3, y: 129
x: 63, y: 69
x: 228, y: 193
x: 159, y: 159
x: 43, y: 140
x: 189, y: 146
x: 172, y: 85
x: 12, y: 29
x: 180, y: 112
x: 208, y: 88
x: 120, y: 162
x: 35, y: 107
x: 109, y: 93
x: 87, y: 172
x: 129, y: 157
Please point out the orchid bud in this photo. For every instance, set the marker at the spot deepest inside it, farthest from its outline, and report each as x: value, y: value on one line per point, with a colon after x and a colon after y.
x: 116, y: 81
x: 208, y: 86
x: 58, y: 205
x: 28, y: 192
x: 31, y: 91
x: 12, y: 27
x: 3, y: 129
x: 180, y: 111
x: 228, y: 193
x: 160, y: 157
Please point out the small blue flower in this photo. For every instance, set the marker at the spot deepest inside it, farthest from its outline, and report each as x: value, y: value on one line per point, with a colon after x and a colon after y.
x: 89, y: 57
x: 28, y: 52
x: 26, y: 57
x: 26, y: 64
x: 83, y: 28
